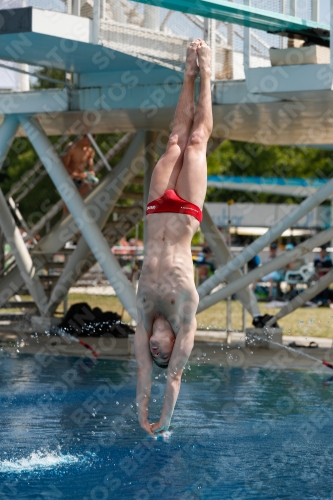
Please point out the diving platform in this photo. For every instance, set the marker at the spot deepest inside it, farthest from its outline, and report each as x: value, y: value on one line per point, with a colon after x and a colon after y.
x: 129, y: 90
x: 251, y: 17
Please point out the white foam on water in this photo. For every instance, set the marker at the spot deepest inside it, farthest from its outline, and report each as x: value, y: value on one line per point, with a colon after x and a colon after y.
x: 165, y: 436
x: 38, y: 460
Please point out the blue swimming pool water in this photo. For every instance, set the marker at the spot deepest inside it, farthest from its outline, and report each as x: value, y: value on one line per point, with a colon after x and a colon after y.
x: 69, y: 431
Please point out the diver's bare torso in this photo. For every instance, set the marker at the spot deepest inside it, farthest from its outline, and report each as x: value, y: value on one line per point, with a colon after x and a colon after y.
x: 166, y: 286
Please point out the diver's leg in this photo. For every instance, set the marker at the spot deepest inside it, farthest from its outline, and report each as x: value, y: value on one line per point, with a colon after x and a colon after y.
x: 192, y: 181
x: 167, y: 169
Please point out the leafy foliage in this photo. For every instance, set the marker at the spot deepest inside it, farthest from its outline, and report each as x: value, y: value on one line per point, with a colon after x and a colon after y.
x: 56, y: 74
x: 240, y: 159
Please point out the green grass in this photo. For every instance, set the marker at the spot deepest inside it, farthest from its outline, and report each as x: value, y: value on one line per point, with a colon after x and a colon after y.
x: 306, y: 321
x: 312, y: 322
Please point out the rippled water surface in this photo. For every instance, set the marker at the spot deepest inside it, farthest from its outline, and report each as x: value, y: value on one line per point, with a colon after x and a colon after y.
x: 69, y: 431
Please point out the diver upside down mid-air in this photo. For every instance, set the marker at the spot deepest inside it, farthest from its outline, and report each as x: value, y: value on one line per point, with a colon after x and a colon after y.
x: 167, y: 299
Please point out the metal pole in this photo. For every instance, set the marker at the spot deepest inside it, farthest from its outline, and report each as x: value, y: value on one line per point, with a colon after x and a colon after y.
x: 331, y: 252
x: 102, y: 14
x: 259, y: 272
x: 230, y: 55
x: 109, y: 187
x: 303, y: 297
x: 151, y: 17
x: 2, y: 250
x: 293, y: 7
x: 243, y: 308
x: 284, y: 8
x: 331, y: 31
x: 96, y: 21
x: 77, y: 7
x: 256, y: 246
x: 19, y: 217
x: 315, y: 10
x: 210, y: 38
x: 98, y: 199
x: 74, y: 264
x: 84, y: 220
x: 69, y: 275
x: 230, y: 202
x: 149, y: 167
x: 223, y: 255
x: 7, y: 133
x: 22, y: 256
x: 247, y: 44
x: 229, y: 326
x: 99, y: 152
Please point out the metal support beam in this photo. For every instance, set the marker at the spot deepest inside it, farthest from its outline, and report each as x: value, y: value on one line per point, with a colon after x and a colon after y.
x: 255, y: 275
x: 303, y: 297
x: 293, y: 7
x: 100, y: 154
x: 82, y: 262
x: 151, y: 17
x: 84, y: 220
x: 77, y: 7
x: 210, y: 38
x: 69, y: 275
x: 2, y: 250
x: 20, y: 219
x: 96, y: 21
x: 97, y: 200
x: 22, y: 256
x: 103, y: 8
x: 247, y: 44
x: 331, y: 226
x: 7, y: 133
x: 331, y: 31
x: 150, y: 140
x: 230, y: 53
x: 75, y: 263
x: 223, y: 255
x: 257, y: 245
x: 315, y: 10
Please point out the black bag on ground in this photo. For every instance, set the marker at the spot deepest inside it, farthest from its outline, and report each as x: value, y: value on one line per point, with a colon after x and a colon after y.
x: 81, y: 320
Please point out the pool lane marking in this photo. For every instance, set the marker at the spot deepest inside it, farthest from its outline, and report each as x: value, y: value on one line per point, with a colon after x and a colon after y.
x: 329, y: 365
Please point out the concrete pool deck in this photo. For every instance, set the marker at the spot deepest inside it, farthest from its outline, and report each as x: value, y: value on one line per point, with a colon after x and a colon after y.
x: 211, y: 347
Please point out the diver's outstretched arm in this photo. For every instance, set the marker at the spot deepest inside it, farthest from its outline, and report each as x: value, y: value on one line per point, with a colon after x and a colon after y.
x: 180, y: 354
x: 145, y: 367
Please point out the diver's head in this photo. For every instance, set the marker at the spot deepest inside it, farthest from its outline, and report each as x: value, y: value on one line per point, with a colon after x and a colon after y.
x: 161, y: 342
x: 323, y: 252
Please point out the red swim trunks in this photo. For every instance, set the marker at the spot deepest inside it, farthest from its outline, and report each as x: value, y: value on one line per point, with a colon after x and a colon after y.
x: 171, y: 202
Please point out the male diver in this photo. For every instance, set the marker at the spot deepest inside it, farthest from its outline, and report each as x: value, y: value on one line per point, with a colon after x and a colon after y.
x: 167, y: 298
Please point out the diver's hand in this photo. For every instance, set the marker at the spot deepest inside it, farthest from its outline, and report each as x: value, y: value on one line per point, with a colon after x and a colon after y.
x: 146, y: 426
x: 159, y: 427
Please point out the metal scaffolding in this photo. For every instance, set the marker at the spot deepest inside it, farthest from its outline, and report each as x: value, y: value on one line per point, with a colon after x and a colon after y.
x: 125, y: 75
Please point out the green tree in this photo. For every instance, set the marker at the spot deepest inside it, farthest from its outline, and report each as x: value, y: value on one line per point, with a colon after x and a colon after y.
x: 245, y: 159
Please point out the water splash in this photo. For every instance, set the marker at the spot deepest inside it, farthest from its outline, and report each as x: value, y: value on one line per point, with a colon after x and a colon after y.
x: 38, y: 460
x: 164, y: 436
